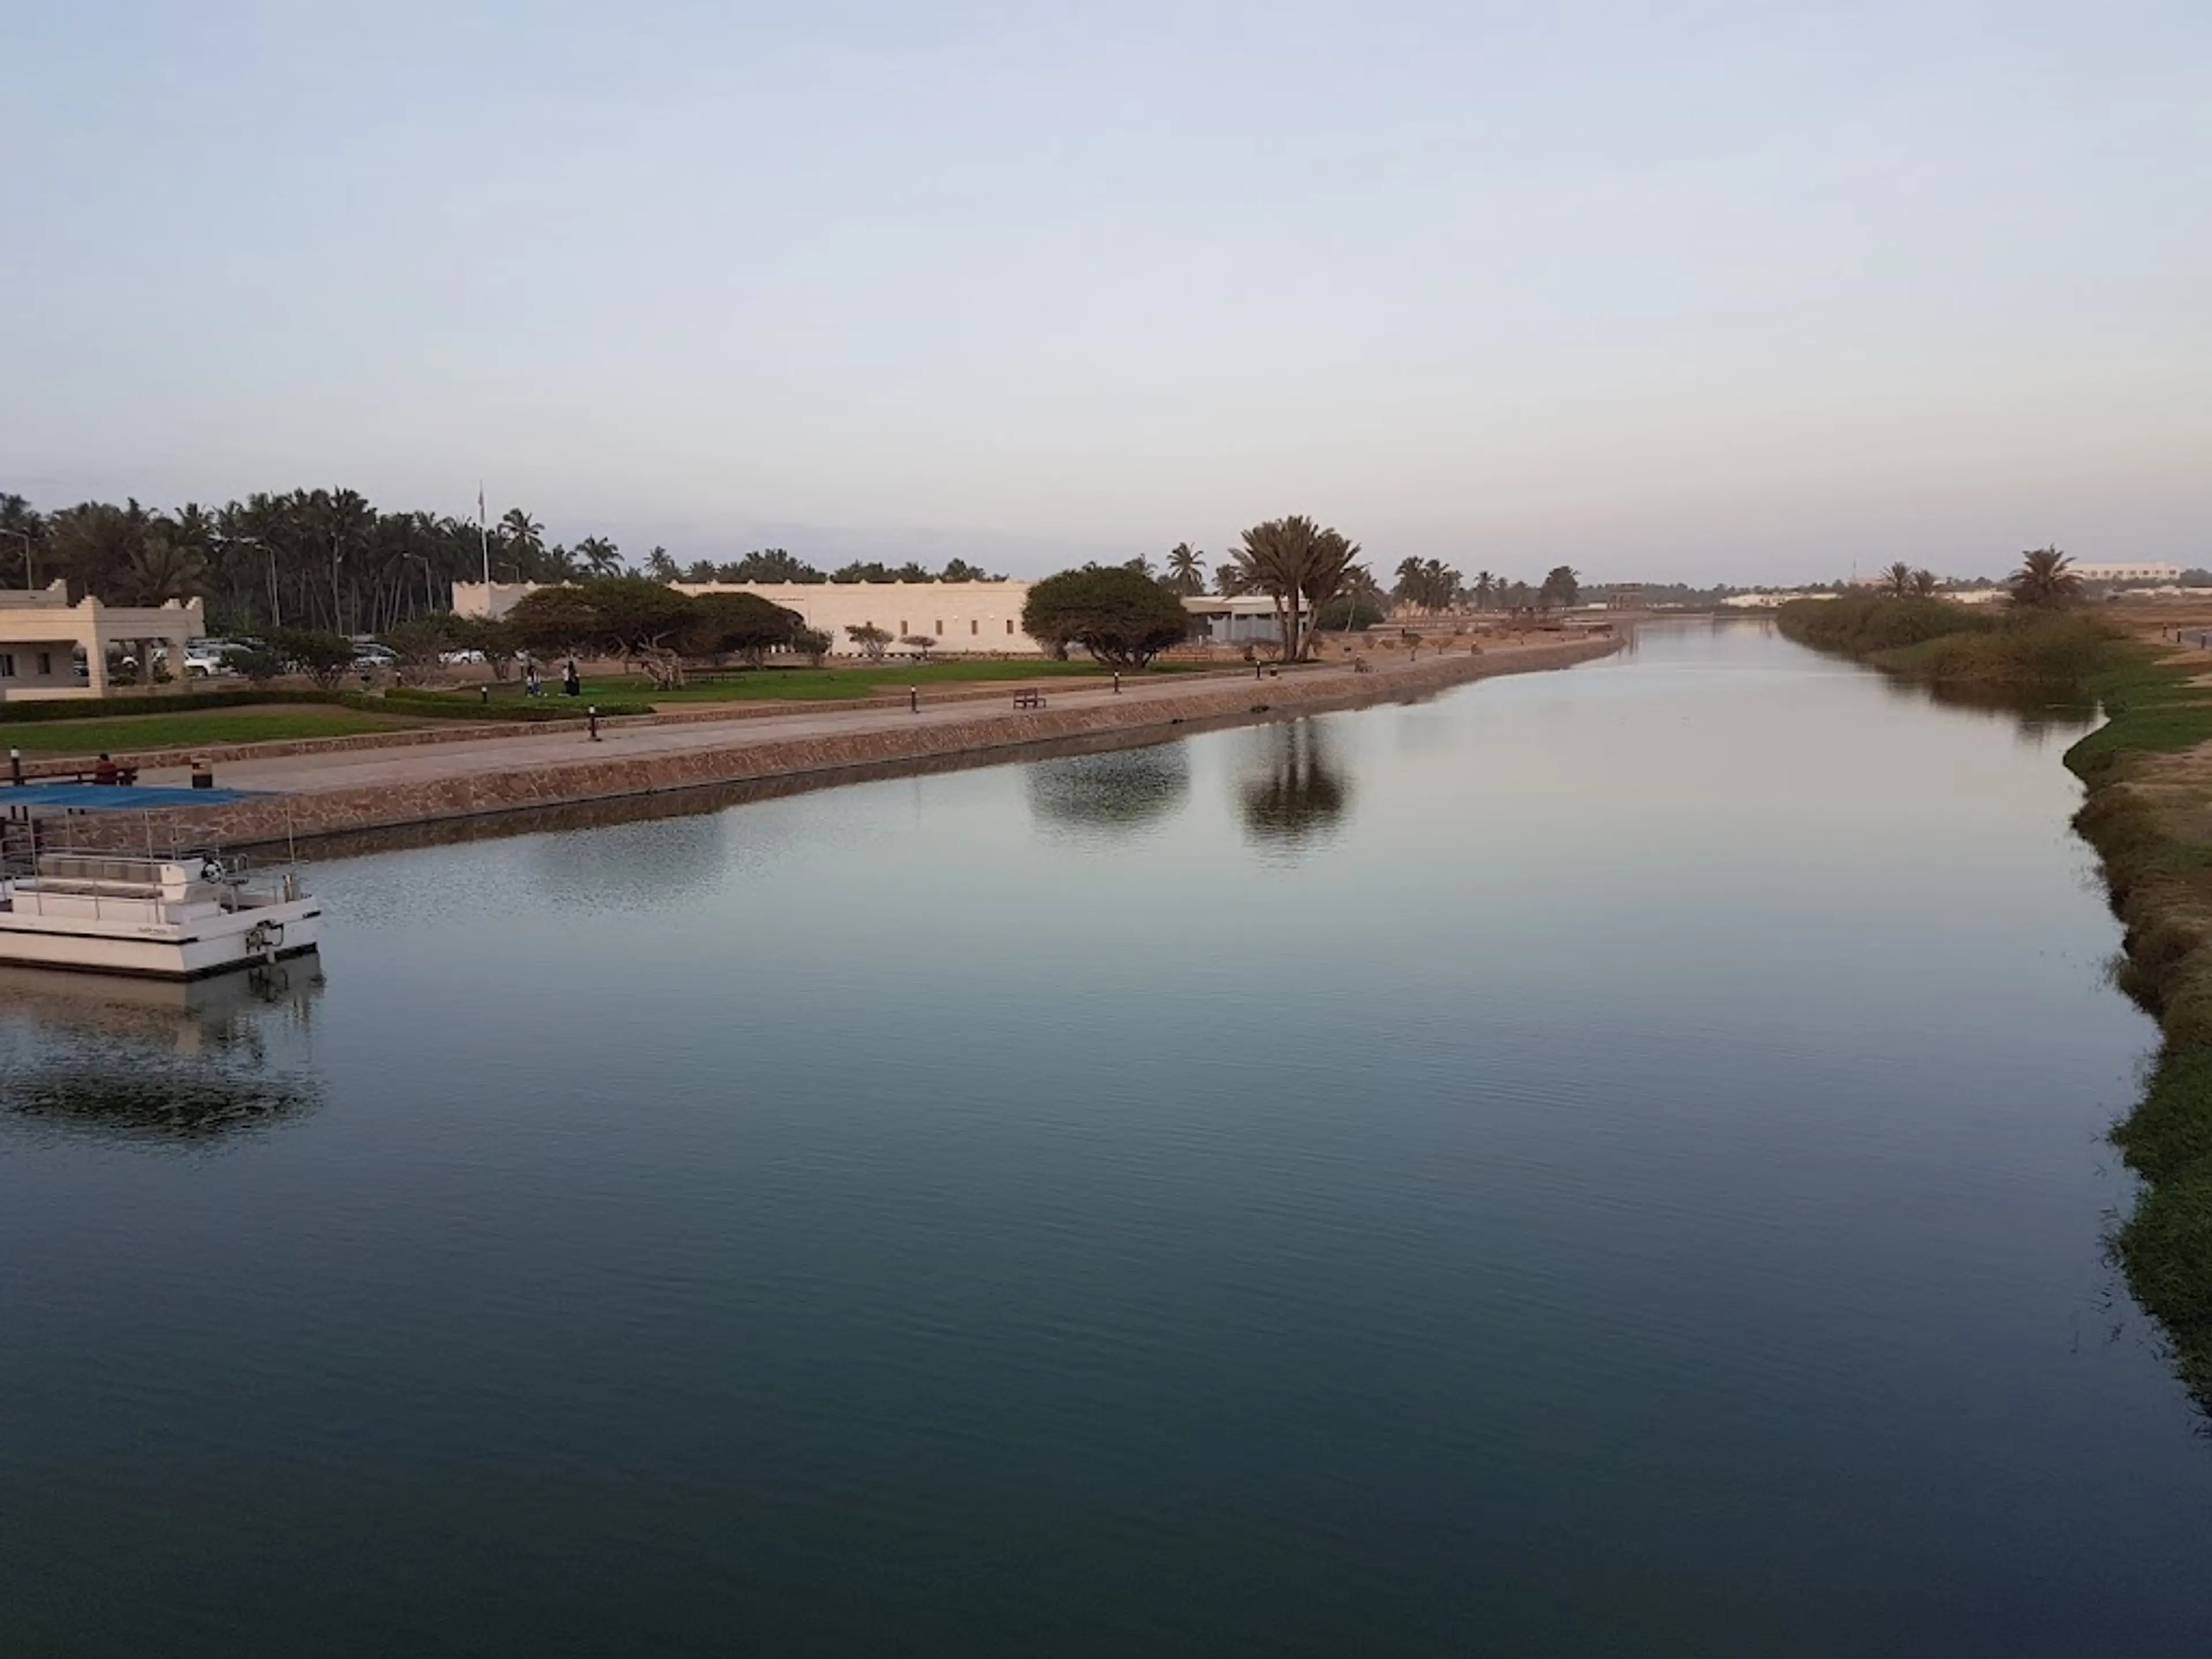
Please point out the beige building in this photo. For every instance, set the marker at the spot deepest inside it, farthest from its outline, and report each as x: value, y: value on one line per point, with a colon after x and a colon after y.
x: 984, y: 618
x: 42, y: 635
x: 2126, y: 573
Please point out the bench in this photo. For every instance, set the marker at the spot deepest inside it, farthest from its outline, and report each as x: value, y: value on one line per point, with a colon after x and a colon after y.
x: 1029, y: 699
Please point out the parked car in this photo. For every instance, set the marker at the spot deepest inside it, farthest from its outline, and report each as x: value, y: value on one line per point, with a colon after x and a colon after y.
x: 210, y: 657
x: 458, y: 658
x: 372, y: 655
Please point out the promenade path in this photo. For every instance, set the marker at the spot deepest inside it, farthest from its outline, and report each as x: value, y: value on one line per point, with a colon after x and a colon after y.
x: 372, y: 769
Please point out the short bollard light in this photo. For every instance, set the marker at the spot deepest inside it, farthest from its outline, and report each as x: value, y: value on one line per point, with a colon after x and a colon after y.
x: 591, y: 719
x: 484, y: 691
x: 1117, y: 682
x: 913, y: 700
x: 15, y: 766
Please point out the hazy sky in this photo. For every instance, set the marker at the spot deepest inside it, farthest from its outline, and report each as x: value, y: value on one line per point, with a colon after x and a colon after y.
x: 1729, y: 291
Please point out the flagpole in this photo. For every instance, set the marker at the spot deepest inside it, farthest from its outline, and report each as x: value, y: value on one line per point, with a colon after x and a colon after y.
x: 483, y: 538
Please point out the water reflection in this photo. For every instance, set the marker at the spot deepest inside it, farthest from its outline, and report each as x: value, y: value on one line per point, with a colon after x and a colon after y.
x: 1123, y: 790
x: 2035, y: 713
x: 637, y: 866
x: 1292, y: 793
x: 155, y: 1060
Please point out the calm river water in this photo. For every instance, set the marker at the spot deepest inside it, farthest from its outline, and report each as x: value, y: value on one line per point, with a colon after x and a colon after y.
x: 1603, y: 1163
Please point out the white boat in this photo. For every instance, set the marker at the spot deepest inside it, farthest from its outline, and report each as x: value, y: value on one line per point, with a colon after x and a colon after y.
x: 166, y: 918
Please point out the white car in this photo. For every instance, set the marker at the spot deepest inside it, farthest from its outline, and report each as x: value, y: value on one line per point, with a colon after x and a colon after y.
x: 209, y: 657
x: 461, y: 658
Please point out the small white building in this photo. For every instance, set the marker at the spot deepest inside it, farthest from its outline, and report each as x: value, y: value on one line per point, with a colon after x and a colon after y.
x: 1236, y: 619
x: 42, y: 635
x: 2126, y: 573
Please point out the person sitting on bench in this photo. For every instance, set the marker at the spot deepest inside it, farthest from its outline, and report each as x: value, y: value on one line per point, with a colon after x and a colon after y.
x: 104, y: 770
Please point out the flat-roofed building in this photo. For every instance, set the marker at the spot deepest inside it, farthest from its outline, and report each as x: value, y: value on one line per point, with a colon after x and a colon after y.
x: 1236, y: 618
x: 42, y: 635
x: 2126, y: 573
x: 979, y: 618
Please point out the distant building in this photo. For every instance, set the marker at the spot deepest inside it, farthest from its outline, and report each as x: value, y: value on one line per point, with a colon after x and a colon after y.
x: 42, y: 635
x: 1236, y: 619
x: 1767, y: 601
x: 980, y: 617
x: 2126, y: 573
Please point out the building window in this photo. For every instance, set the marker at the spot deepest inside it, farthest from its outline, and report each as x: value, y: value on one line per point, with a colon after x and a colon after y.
x: 974, y: 626
x: 940, y: 627
x: 902, y: 628
x: 7, y: 665
x: 45, y: 665
x: 1009, y: 625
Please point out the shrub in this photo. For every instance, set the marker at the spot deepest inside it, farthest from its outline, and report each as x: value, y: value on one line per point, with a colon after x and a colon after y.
x: 1122, y: 617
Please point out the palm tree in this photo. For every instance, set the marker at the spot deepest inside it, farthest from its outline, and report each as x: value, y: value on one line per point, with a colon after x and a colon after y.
x: 660, y: 567
x: 2045, y: 579
x: 599, y: 556
x: 523, y: 539
x: 162, y: 569
x: 1924, y: 584
x: 1484, y: 581
x: 1186, y: 569
x: 1300, y: 565
x: 1897, y: 581
x: 1439, y: 585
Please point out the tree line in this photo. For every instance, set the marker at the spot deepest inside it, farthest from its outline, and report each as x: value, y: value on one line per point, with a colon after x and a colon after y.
x: 329, y: 560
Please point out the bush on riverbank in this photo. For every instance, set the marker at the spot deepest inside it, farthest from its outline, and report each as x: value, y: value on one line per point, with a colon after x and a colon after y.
x: 1940, y: 643
x: 2156, y: 846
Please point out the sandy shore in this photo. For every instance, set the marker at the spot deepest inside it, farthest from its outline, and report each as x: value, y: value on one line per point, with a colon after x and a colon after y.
x: 361, y: 786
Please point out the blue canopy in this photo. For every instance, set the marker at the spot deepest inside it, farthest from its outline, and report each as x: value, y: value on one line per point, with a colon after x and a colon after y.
x: 114, y: 797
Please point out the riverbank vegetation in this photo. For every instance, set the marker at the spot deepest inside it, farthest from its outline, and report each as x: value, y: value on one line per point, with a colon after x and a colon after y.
x: 1945, y: 644
x: 2148, y: 815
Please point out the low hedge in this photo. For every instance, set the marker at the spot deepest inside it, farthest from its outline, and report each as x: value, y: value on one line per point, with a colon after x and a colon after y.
x: 461, y: 705
x: 175, y: 702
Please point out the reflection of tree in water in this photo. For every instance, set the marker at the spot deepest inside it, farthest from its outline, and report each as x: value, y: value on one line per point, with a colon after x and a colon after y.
x: 1122, y: 789
x: 2035, y: 713
x: 164, y: 1064
x: 1293, y: 793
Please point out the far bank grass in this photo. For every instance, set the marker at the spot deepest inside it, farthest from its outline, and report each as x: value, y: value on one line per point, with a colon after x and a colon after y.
x: 2150, y: 822
x: 191, y: 728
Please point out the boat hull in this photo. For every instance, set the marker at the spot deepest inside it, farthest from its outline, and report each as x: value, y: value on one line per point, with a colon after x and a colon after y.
x: 268, y: 934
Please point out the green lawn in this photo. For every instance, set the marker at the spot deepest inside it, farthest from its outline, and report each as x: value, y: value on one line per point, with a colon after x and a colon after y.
x: 823, y: 684
x: 191, y: 728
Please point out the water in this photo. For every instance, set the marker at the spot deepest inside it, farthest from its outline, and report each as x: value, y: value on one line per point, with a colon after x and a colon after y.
x: 1604, y: 1163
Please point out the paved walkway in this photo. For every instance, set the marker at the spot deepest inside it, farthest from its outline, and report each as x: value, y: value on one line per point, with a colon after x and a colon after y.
x: 425, y: 763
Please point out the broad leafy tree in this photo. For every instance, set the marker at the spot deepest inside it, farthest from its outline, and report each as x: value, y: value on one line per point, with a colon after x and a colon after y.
x: 743, y: 623
x: 1562, y: 588
x: 324, y: 657
x: 633, y: 617
x: 1120, y: 616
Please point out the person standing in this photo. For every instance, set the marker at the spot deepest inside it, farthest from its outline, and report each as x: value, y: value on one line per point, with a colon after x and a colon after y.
x: 572, y: 682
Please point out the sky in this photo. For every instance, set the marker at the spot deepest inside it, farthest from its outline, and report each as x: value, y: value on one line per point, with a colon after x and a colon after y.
x: 1716, y: 292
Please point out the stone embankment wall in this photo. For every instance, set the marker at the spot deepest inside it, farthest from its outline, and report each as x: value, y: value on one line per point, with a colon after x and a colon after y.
x: 271, y: 818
